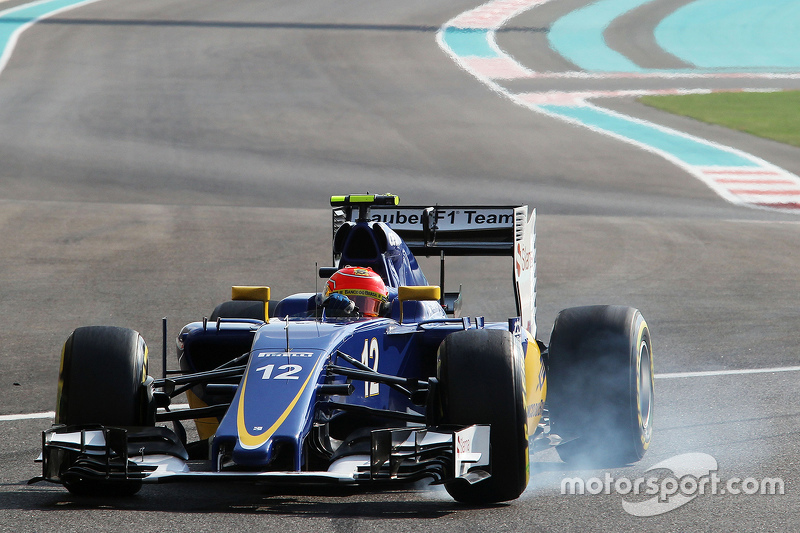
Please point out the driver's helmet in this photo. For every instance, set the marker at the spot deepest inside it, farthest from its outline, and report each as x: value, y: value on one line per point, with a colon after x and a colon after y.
x: 362, y: 285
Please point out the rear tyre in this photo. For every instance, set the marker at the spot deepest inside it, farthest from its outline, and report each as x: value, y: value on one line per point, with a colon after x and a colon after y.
x: 481, y: 381
x: 600, y: 384
x: 103, y: 380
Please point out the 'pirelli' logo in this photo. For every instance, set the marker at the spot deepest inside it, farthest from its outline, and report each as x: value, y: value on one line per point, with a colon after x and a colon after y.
x: 285, y: 354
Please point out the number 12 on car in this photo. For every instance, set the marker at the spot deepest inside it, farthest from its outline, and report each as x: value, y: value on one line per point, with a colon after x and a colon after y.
x: 289, y: 371
x: 371, y: 353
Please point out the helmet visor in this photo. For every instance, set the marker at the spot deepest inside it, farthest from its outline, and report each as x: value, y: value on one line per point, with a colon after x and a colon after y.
x: 366, y: 306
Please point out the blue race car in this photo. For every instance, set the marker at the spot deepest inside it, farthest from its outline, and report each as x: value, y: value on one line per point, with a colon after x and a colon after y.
x: 375, y: 379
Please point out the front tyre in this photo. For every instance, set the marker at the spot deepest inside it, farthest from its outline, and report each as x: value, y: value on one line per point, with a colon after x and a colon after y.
x: 600, y: 384
x: 103, y: 380
x: 481, y: 377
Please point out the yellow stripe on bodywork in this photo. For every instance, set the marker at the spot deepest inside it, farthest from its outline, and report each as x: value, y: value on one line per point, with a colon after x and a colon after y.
x: 536, y: 383
x: 249, y: 441
x: 60, y: 390
x: 144, y: 364
x: 206, y: 427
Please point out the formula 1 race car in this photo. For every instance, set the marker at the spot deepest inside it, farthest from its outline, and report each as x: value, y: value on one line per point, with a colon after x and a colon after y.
x: 301, y: 391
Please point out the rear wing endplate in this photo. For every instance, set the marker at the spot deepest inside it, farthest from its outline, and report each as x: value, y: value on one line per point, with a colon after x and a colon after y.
x: 467, y: 231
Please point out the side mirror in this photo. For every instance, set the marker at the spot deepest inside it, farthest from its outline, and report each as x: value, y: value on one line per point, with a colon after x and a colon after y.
x: 417, y: 294
x: 259, y: 294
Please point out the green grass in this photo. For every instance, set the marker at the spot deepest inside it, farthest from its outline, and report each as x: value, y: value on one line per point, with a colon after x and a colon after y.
x: 771, y: 115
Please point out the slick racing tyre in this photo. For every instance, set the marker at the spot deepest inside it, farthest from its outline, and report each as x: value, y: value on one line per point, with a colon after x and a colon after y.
x: 103, y: 380
x: 600, y: 384
x: 481, y: 377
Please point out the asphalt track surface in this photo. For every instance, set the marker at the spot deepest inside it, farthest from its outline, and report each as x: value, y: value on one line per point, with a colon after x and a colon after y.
x: 156, y: 152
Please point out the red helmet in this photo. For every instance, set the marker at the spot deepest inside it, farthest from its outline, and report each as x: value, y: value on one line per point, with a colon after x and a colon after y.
x: 362, y: 285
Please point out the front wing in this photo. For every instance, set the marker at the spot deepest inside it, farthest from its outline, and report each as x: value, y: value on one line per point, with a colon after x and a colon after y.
x: 154, y: 455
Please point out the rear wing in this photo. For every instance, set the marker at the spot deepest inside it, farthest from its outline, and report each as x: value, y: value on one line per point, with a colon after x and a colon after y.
x: 465, y: 231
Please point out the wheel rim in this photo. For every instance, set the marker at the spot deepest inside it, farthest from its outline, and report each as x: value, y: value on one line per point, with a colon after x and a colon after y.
x: 645, y: 385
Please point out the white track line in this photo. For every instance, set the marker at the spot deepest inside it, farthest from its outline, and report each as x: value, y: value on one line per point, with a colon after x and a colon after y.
x: 52, y: 414
x: 669, y: 375
x: 711, y: 373
x: 29, y: 416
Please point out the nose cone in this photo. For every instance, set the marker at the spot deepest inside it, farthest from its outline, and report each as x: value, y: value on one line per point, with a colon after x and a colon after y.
x: 261, y: 456
x: 272, y: 410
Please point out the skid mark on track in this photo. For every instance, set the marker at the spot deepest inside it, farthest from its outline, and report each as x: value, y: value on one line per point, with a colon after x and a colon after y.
x: 738, y: 177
